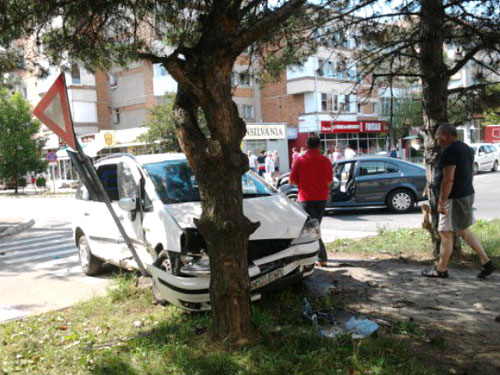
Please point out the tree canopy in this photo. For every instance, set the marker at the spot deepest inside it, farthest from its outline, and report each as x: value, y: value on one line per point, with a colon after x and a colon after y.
x: 20, y: 151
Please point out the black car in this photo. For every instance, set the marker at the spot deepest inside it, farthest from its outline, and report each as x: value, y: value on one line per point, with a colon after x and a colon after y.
x: 371, y: 181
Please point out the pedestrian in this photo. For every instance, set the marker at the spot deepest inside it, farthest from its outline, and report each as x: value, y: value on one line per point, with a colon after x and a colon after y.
x: 252, y: 161
x: 269, y: 165
x: 453, y: 181
x: 349, y: 153
x: 261, y: 163
x: 313, y: 175
x: 295, y: 155
x: 336, y: 155
x: 393, y: 153
x: 276, y: 159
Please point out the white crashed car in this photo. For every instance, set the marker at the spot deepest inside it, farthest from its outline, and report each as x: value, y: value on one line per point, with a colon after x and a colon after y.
x: 281, y: 251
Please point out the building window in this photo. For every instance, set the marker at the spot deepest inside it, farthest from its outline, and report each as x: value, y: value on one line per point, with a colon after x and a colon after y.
x: 116, y: 116
x: 113, y: 82
x: 326, y: 102
x: 245, y: 79
x: 335, y: 103
x: 359, y: 108
x: 374, y: 107
x: 386, y: 105
x: 75, y: 75
x: 346, y: 105
x: 247, y: 111
x: 159, y: 70
x: 25, y: 92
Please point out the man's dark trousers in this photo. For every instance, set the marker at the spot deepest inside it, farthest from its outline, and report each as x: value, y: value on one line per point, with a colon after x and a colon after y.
x: 316, y: 209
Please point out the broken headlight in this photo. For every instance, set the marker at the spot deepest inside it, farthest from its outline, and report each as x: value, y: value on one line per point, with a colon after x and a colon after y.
x: 310, y: 232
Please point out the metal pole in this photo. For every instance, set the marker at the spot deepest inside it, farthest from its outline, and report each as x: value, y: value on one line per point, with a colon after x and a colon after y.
x: 104, y: 196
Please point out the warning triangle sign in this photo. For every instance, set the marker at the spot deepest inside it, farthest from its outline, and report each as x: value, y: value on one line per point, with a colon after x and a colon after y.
x: 53, y: 111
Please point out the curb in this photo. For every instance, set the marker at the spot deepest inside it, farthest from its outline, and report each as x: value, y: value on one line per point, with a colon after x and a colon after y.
x: 15, y: 229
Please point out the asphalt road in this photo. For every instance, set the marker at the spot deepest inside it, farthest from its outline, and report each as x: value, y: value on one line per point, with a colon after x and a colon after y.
x: 356, y: 223
x: 39, y: 268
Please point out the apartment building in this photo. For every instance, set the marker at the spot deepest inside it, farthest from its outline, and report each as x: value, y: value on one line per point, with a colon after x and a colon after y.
x: 324, y: 96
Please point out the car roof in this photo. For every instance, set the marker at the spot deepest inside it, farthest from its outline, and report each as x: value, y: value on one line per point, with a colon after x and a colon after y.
x: 156, y: 158
x: 142, y: 159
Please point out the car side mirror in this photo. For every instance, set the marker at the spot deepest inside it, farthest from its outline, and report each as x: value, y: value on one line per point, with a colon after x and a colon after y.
x: 481, y: 153
x: 127, y: 204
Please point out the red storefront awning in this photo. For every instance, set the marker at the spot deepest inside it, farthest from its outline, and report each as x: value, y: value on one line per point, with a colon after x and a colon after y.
x: 353, y: 126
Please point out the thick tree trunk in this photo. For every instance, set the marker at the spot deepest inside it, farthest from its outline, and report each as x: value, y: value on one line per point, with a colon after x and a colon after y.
x: 219, y: 164
x: 435, y: 95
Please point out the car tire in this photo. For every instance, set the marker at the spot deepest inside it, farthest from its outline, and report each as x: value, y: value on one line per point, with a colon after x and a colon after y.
x: 495, y: 166
x: 293, y: 196
x: 475, y: 169
x: 400, y: 201
x: 90, y: 264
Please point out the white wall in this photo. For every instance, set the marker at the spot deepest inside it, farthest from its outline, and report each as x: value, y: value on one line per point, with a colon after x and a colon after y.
x: 84, y: 111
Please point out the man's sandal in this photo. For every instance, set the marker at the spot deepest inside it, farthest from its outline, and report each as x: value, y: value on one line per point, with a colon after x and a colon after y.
x: 435, y: 273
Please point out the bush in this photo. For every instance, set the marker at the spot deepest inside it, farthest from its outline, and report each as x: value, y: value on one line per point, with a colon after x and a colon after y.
x: 40, y: 182
x: 21, y: 182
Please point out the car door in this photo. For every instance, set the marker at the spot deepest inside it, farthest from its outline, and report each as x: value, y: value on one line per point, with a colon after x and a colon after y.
x: 130, y: 187
x: 102, y: 232
x: 343, y: 187
x: 484, y: 158
x: 371, y: 181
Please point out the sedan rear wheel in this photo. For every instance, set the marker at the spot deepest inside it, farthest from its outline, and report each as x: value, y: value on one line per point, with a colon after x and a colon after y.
x: 400, y: 201
x: 495, y: 166
x: 90, y: 264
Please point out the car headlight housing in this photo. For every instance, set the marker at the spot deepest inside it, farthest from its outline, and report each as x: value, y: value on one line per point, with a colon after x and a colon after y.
x: 310, y: 232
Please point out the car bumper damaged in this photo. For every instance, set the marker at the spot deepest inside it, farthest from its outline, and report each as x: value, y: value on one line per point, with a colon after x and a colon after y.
x: 190, y: 289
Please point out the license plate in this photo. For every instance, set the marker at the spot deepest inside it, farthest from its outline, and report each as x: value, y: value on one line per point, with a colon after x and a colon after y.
x: 266, y: 279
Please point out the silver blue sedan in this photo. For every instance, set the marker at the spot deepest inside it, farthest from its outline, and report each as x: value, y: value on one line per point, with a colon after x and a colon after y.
x: 371, y: 181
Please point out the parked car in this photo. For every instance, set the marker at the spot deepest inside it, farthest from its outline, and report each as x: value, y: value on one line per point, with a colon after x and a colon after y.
x: 485, y: 157
x: 371, y: 181
x: 156, y: 197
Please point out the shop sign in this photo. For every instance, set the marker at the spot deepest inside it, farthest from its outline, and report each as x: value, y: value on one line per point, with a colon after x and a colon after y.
x: 352, y: 126
x: 266, y: 132
x: 109, y: 139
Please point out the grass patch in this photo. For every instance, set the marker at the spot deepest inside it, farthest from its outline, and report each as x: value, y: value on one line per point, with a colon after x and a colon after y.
x: 416, y: 243
x: 124, y: 333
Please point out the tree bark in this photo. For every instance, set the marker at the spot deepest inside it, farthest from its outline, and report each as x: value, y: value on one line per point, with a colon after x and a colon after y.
x: 219, y: 164
x: 435, y: 96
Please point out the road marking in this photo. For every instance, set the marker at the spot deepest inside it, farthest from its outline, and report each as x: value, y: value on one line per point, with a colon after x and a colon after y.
x: 42, y: 249
x: 37, y: 257
x: 24, y: 242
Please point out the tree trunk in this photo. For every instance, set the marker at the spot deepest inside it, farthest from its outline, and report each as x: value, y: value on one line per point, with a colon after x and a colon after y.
x: 435, y: 96
x: 219, y: 164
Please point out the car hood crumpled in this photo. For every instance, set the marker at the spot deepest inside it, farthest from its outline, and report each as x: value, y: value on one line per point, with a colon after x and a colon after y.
x: 279, y: 217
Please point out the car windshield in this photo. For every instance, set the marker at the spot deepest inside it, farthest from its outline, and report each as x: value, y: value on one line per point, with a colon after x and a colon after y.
x: 175, y: 182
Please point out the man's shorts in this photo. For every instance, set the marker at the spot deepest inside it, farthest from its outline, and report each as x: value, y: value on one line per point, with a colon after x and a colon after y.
x: 460, y: 215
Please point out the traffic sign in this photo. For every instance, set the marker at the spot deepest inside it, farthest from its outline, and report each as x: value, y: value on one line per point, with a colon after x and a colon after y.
x: 52, y: 157
x: 53, y: 111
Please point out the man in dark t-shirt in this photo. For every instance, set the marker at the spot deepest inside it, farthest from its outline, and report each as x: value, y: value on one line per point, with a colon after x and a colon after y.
x: 453, y: 183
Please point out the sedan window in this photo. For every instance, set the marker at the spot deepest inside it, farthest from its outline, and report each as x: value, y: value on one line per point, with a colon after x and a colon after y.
x: 391, y: 168
x: 371, y: 167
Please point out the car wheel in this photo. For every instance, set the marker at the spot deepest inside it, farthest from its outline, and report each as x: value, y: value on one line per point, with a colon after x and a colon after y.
x: 400, y: 201
x: 495, y: 166
x: 292, y: 196
x: 89, y: 263
x: 475, y: 169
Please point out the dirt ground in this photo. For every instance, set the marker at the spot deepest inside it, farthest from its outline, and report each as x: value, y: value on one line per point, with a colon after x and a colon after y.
x: 461, y: 314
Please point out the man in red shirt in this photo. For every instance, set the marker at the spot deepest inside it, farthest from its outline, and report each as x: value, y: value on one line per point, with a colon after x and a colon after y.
x: 313, y: 175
